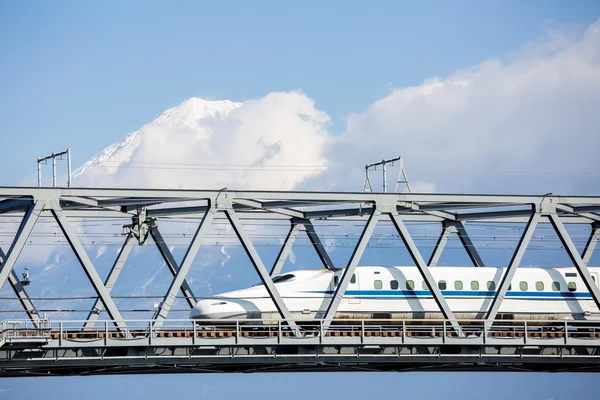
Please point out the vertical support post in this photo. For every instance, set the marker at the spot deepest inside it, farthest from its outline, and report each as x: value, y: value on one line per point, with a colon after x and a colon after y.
x: 186, y: 264
x: 69, y: 166
x: 286, y: 248
x: 53, y: 170
x: 564, y: 237
x: 591, y: 243
x: 87, y: 265
x: 425, y: 273
x: 260, y: 267
x: 513, y: 265
x: 349, y: 270
x: 39, y: 172
x: 186, y: 290
x: 31, y: 216
x: 111, y: 279
x: 384, y: 168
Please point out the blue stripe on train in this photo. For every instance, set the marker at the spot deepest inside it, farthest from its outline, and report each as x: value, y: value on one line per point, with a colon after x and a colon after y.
x: 458, y: 293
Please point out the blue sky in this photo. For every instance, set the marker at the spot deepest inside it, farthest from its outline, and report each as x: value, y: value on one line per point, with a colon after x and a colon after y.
x: 83, y: 75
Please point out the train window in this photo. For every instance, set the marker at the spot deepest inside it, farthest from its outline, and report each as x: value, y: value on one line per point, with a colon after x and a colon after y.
x: 425, y: 286
x: 336, y: 280
x: 539, y: 286
x: 474, y: 285
x: 353, y: 279
x: 556, y: 286
x: 393, y: 285
x: 377, y: 284
x: 571, y: 275
x: 410, y: 285
x: 285, y: 278
x: 523, y: 286
x: 442, y: 285
x: 572, y: 286
x: 510, y: 287
x: 491, y: 285
x: 458, y: 285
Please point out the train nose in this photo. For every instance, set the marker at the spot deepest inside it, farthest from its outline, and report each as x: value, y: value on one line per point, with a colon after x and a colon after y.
x: 217, y: 309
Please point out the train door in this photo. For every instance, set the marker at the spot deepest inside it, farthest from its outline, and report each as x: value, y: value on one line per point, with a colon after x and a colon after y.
x: 354, y: 289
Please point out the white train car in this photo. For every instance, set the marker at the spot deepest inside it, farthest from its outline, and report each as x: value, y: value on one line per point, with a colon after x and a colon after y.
x: 394, y: 293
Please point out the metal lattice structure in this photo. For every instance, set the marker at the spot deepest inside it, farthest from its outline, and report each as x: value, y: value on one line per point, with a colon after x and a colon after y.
x: 144, y: 208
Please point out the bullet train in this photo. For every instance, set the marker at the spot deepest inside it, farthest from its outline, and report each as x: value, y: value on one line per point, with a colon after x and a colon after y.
x: 396, y: 292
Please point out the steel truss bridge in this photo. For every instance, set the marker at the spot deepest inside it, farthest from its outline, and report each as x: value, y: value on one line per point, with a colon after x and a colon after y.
x: 39, y: 346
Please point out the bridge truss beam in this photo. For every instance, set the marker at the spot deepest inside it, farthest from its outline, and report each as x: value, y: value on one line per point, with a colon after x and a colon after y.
x: 454, y: 211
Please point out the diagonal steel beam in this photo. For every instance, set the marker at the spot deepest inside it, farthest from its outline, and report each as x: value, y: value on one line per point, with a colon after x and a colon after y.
x: 260, y: 268
x: 184, y: 268
x: 578, y: 262
x: 349, y: 270
x: 512, y: 266
x: 286, y: 248
x: 318, y: 245
x: 425, y: 273
x: 24, y: 299
x: 29, y: 219
x: 172, y: 265
x: 440, y: 245
x: 87, y: 265
x: 468, y: 245
x: 591, y: 243
x: 111, y: 279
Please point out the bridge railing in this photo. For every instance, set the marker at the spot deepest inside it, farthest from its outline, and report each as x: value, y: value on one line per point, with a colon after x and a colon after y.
x: 239, y: 329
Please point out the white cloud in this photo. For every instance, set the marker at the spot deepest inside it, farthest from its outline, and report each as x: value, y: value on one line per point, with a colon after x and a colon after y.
x: 246, y: 143
x: 536, y: 112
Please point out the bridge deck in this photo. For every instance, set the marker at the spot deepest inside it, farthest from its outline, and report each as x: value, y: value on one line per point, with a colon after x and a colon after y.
x: 60, y: 348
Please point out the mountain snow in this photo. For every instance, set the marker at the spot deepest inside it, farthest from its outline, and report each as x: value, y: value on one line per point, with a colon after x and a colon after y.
x: 214, y: 144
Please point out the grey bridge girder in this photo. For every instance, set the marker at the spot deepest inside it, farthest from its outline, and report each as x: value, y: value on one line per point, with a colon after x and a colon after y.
x: 339, y: 292
x: 458, y: 227
x: 29, y: 219
x: 111, y: 279
x: 87, y: 265
x: 186, y: 290
x: 425, y: 273
x: 21, y: 293
x: 301, y: 224
x: 591, y: 243
x: 186, y: 263
x: 513, y: 265
x: 580, y: 265
x: 259, y: 266
x: 285, y: 249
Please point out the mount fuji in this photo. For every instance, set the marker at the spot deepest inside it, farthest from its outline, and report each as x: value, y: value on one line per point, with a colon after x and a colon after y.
x: 213, y: 144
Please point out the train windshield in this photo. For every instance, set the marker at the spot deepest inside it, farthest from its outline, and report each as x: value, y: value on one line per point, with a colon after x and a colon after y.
x: 281, y: 279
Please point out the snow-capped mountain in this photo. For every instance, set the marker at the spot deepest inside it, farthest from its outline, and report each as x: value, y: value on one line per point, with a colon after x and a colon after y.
x: 188, y: 114
x: 214, y: 144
